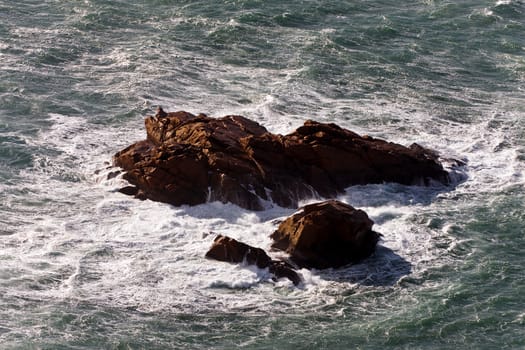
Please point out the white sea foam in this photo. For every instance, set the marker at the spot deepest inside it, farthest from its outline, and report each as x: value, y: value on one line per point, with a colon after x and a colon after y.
x: 80, y: 256
x: 99, y: 244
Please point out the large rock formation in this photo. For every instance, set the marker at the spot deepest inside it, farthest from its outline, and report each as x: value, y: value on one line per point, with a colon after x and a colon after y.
x: 327, y: 234
x: 188, y: 159
x: 230, y: 250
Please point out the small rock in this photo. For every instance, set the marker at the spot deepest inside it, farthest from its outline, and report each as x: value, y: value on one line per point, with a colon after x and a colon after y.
x: 129, y: 190
x: 230, y: 250
x: 326, y: 234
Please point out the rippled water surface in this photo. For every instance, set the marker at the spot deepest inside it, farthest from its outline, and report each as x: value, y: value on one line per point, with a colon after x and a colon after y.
x: 84, y: 267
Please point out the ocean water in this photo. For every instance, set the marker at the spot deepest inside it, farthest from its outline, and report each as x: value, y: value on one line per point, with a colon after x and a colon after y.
x: 85, y: 267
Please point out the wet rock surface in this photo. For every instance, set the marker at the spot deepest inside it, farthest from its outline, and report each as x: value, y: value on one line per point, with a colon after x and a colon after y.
x: 326, y: 234
x: 230, y: 250
x: 192, y: 159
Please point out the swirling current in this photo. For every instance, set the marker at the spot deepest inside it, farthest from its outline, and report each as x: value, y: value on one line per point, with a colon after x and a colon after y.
x: 85, y: 267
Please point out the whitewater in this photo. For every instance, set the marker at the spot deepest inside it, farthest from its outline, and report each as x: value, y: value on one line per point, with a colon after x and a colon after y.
x: 83, y: 266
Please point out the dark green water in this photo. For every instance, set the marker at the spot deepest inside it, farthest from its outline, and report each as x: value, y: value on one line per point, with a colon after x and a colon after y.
x: 84, y: 267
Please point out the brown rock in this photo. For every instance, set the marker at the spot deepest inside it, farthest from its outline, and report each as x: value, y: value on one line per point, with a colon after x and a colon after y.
x: 129, y: 190
x: 188, y: 159
x: 327, y: 234
x: 281, y: 269
x: 230, y: 250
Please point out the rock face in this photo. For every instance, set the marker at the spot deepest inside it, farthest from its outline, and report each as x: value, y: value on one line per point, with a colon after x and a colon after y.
x: 188, y: 159
x: 229, y: 250
x: 327, y: 234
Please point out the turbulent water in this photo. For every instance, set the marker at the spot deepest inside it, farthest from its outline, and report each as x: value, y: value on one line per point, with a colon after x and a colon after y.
x: 85, y: 267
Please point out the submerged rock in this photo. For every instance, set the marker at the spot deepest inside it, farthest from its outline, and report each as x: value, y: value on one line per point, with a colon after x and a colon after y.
x: 326, y: 234
x: 188, y: 159
x: 230, y: 250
